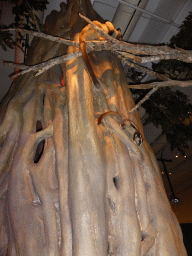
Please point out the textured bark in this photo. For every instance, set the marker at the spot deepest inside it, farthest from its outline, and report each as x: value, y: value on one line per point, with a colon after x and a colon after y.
x: 72, y: 180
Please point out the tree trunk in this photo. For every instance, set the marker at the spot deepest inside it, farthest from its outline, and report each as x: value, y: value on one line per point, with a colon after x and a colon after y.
x: 73, y: 178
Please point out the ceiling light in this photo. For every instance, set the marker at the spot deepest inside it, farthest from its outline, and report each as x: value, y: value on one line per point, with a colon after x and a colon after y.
x: 175, y: 200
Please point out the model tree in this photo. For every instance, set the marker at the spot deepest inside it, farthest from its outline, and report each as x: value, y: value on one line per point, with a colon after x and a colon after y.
x: 77, y: 175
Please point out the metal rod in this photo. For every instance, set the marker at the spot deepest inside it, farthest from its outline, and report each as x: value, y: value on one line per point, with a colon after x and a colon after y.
x: 149, y: 13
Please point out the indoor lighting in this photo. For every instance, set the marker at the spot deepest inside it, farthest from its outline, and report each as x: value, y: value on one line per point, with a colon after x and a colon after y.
x: 175, y: 200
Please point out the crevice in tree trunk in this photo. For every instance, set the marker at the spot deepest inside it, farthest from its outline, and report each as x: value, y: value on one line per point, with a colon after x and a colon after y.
x: 116, y: 181
x: 40, y: 146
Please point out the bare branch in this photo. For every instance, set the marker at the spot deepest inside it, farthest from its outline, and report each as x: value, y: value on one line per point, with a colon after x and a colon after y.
x: 156, y: 86
x: 42, y: 67
x: 15, y: 65
x: 157, y: 57
x: 61, y: 59
x: 92, y: 45
x: 139, y: 59
x: 128, y: 55
x: 144, y: 99
x: 162, y: 57
x: 141, y: 68
x: 162, y: 52
x: 117, y: 47
x: 162, y: 84
x: 45, y: 36
x: 141, y: 49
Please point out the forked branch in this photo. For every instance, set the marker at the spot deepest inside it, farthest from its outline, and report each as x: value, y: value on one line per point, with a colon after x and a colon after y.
x: 128, y: 53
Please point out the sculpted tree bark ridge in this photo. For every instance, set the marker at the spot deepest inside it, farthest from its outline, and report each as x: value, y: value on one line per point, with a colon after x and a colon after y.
x: 74, y: 180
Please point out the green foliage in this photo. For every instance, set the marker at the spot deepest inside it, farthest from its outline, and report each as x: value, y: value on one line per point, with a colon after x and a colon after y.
x: 183, y: 39
x: 172, y: 111
x: 24, y: 7
x: 135, y: 75
x: 24, y: 14
x: 175, y: 69
x: 167, y: 108
x: 5, y: 38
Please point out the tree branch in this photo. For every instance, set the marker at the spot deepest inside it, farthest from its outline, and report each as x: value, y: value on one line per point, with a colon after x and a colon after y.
x: 116, y: 46
x: 156, y: 86
x: 140, y: 49
x: 145, y: 98
x: 161, y: 84
x: 158, y: 57
x: 162, y: 57
x: 141, y: 68
x: 158, y: 52
x: 42, y: 67
x: 128, y: 55
x: 45, y: 36
x: 15, y: 65
x: 140, y: 59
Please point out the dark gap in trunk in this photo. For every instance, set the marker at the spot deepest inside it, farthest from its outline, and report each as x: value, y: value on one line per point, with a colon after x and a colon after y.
x: 43, y: 99
x: 143, y: 235
x: 40, y: 146
x: 108, y: 249
x: 116, y: 181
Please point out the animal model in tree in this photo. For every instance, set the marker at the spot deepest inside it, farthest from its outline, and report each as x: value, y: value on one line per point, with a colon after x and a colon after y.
x: 89, y: 33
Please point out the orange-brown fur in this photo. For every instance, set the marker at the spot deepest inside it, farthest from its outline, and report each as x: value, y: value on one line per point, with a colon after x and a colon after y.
x: 88, y: 33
